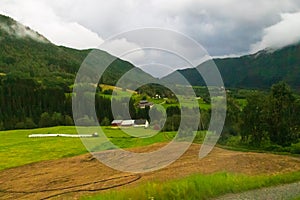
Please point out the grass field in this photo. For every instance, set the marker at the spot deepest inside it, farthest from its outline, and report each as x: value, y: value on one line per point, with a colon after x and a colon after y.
x: 17, y: 149
x: 117, y: 89
x: 198, y: 187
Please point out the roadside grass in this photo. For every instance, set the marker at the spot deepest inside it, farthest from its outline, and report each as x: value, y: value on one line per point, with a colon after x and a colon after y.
x: 17, y: 149
x: 197, y: 187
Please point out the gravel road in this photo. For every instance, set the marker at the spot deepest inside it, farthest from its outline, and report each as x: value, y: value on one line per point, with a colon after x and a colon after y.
x: 282, y: 192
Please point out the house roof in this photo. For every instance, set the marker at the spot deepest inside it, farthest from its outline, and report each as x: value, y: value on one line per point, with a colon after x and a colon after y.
x: 143, y: 101
x: 143, y: 105
x: 127, y: 122
x: 130, y: 122
x: 116, y: 122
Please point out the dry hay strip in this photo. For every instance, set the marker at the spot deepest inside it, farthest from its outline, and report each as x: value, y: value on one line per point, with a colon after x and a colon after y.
x: 71, y: 189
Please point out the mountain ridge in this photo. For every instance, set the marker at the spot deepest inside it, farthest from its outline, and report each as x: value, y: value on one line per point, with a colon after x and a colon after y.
x: 28, y: 52
x: 259, y: 70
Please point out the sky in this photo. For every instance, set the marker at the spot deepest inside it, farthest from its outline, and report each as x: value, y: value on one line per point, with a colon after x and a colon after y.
x: 223, y: 27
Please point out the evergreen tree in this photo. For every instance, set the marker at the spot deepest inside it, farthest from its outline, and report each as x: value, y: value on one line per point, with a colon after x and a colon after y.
x: 280, y: 115
x: 253, y: 127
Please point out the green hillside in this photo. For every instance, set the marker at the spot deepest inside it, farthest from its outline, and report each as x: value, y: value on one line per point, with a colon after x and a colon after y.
x: 37, y: 77
x: 259, y: 70
x: 24, y: 50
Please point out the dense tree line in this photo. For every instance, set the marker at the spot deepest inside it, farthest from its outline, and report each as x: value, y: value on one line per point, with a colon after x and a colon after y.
x: 28, y: 103
x: 272, y: 117
x: 23, y: 100
x: 268, y: 119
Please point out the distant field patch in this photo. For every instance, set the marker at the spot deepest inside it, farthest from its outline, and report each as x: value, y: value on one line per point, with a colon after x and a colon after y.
x: 110, y: 87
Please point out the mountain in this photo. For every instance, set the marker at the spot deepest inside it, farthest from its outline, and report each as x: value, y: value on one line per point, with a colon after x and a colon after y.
x: 26, y: 53
x: 37, y: 77
x: 259, y: 70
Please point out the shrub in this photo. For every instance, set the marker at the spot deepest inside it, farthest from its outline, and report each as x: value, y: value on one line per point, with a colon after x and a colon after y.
x: 85, y: 121
x: 108, y: 92
x: 277, y: 148
x: 105, y: 122
x: 295, y: 148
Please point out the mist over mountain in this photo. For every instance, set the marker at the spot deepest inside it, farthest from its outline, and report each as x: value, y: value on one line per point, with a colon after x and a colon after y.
x: 26, y: 53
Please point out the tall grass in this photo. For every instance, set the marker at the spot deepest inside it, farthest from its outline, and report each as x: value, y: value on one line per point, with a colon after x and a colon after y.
x: 197, y: 187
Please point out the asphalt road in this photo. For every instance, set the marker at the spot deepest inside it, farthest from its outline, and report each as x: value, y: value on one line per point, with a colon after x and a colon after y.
x: 282, y: 192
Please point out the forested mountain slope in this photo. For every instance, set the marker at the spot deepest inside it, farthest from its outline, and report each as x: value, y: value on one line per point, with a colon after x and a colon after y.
x: 259, y: 70
x: 37, y: 76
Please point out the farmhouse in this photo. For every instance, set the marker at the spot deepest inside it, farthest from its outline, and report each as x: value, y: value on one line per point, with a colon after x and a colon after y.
x: 144, y: 103
x: 116, y: 123
x: 127, y: 123
x: 130, y: 123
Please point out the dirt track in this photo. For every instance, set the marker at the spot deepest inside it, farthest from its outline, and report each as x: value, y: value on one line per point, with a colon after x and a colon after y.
x: 70, y: 178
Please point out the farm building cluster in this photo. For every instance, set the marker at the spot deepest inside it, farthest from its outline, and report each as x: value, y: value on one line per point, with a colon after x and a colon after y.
x: 130, y: 123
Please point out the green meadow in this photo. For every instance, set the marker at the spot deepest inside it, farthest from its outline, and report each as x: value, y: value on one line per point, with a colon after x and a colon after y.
x: 17, y: 149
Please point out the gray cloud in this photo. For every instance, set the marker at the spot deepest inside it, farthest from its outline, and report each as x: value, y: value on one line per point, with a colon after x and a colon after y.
x: 223, y: 27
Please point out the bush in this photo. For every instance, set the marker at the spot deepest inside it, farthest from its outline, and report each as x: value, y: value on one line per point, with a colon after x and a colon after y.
x: 108, y: 92
x: 27, y: 124
x: 274, y: 147
x: 295, y: 148
x: 233, y: 141
x: 45, y: 120
x: 57, y: 119
x: 68, y: 121
x: 20, y: 125
x: 277, y: 148
x: 85, y: 121
x: 105, y: 122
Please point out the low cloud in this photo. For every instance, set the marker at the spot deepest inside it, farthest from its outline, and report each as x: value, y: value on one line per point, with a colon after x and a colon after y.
x: 41, y: 17
x: 20, y: 31
x: 286, y: 32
